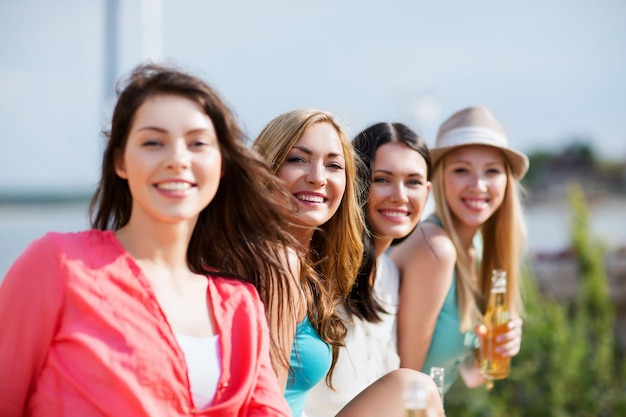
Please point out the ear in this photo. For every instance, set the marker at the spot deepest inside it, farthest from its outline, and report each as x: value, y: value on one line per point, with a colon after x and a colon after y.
x: 120, y: 166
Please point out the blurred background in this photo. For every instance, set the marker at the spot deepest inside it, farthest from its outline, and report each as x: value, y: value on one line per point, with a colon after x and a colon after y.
x: 552, y: 73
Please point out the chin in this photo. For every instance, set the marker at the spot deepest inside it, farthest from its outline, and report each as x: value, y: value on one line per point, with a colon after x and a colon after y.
x: 315, y: 221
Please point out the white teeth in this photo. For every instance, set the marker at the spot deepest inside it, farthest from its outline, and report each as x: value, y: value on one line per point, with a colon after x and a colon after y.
x: 174, y: 186
x: 394, y: 214
x: 311, y: 198
x: 476, y: 203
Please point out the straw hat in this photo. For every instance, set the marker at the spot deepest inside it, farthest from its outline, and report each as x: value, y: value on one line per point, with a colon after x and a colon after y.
x: 476, y: 126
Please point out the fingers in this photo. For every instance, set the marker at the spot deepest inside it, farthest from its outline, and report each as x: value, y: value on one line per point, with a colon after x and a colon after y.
x: 510, y: 342
x: 510, y: 348
x: 516, y: 323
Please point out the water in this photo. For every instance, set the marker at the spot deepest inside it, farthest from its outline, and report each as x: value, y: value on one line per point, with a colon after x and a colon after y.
x: 22, y: 223
x: 548, y: 225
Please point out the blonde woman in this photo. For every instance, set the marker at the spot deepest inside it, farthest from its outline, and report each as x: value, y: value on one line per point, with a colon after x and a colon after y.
x: 445, y: 271
x: 311, y: 153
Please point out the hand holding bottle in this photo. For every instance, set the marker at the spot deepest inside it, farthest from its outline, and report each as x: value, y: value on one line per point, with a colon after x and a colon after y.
x: 507, y: 344
x: 499, y: 335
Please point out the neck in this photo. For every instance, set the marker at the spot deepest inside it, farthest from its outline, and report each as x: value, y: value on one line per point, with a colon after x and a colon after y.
x: 159, y: 244
x: 381, y: 244
x: 305, y: 237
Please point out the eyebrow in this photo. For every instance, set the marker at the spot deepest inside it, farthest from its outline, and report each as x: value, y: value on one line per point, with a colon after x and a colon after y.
x: 158, y: 129
x: 161, y: 130
x: 309, y: 152
x: 384, y: 171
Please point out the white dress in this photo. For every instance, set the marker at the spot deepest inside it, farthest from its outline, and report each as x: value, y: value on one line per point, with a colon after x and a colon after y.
x: 370, y: 351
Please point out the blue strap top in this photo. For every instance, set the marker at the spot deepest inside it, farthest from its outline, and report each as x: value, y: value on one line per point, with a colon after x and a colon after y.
x: 449, y: 347
x: 310, y: 361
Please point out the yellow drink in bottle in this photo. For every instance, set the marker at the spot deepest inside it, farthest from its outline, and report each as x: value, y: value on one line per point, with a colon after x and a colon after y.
x: 492, y: 364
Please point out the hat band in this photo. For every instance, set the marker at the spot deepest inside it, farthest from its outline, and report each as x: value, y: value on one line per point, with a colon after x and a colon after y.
x: 472, y: 135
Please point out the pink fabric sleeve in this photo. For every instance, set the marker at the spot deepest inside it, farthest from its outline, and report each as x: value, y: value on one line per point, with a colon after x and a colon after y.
x: 267, y: 397
x: 30, y: 300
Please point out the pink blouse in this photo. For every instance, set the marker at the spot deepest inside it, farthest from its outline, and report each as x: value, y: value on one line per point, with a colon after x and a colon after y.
x: 81, y: 334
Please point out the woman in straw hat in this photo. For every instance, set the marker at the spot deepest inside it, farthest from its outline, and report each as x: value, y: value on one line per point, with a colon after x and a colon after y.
x: 446, y: 262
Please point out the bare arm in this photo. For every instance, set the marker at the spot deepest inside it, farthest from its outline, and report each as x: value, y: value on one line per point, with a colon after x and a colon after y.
x: 426, y: 264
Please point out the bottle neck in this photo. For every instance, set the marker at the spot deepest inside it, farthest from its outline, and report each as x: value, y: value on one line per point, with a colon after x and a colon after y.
x: 497, y: 298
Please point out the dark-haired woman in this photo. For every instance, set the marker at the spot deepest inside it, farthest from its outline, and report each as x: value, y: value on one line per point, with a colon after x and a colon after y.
x: 395, y: 174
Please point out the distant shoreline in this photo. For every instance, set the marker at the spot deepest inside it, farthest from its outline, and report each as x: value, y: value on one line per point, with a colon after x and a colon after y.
x: 44, y: 198
x: 27, y: 217
x: 548, y: 219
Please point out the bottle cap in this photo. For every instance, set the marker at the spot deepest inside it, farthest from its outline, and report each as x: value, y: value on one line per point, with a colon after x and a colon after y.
x: 498, y: 280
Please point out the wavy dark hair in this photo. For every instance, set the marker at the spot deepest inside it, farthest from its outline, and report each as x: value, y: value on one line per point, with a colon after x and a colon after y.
x: 233, y: 237
x: 361, y: 301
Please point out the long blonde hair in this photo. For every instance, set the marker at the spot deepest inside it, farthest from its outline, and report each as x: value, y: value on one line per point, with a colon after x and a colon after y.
x: 336, y: 248
x: 504, y: 238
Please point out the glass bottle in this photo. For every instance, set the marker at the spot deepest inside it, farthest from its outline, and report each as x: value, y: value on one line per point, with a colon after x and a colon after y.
x: 492, y: 364
x: 415, y: 399
x: 438, y: 374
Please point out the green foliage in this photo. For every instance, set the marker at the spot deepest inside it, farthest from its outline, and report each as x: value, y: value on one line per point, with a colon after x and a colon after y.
x: 575, y: 160
x: 581, y: 151
x: 539, y: 162
x: 593, y: 309
x: 568, y: 364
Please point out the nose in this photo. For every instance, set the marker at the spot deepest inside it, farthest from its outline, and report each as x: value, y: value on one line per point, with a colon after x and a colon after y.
x: 479, y: 182
x: 180, y: 157
x: 399, y: 194
x: 316, y: 174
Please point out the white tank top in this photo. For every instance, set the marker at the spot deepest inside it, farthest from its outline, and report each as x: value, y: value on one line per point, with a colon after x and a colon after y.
x: 204, y: 364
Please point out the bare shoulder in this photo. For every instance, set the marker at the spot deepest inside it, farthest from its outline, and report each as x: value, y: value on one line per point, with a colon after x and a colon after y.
x: 427, y: 243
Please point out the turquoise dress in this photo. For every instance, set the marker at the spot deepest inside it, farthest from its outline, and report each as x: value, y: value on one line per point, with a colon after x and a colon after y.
x: 310, y: 361
x: 449, y: 346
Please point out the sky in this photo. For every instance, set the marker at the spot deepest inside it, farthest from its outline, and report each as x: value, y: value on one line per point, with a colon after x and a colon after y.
x: 551, y: 72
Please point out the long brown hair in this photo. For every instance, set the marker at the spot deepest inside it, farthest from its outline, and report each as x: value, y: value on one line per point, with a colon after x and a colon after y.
x: 232, y: 235
x: 336, y: 249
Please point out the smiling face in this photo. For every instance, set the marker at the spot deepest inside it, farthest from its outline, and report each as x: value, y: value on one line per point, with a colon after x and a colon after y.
x: 172, y: 160
x: 314, y: 172
x: 475, y: 183
x: 398, y: 192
